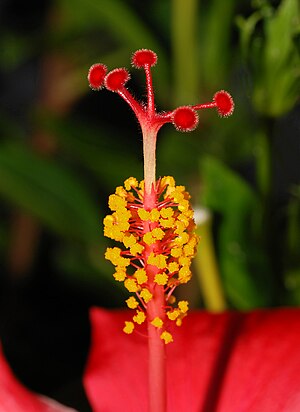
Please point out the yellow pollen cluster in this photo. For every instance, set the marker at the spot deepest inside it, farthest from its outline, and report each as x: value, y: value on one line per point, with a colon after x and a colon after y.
x: 166, y: 337
x: 140, y: 317
x: 132, y: 303
x: 141, y: 276
x: 158, y: 243
x: 128, y: 328
x: 161, y: 279
x: 146, y: 295
x: 157, y: 322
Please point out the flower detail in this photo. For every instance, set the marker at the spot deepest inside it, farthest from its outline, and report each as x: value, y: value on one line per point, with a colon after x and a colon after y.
x: 152, y: 219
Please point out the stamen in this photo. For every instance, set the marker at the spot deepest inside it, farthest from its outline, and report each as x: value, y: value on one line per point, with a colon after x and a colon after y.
x: 152, y: 219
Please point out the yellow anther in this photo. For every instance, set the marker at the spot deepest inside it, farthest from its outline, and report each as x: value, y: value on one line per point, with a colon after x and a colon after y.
x: 184, y: 219
x: 122, y: 215
x: 120, y: 274
x: 180, y: 227
x: 114, y: 233
x: 176, y: 252
x: 166, y: 212
x: 120, y: 191
x: 184, y: 206
x: 158, y: 233
x: 176, y: 195
x: 108, y: 221
x: 139, y: 317
x: 131, y: 285
x: 149, y: 239
x: 189, y: 250
x: 161, y: 279
x: 157, y: 322
x: 132, y: 303
x: 154, y: 215
x: 189, y: 214
x: 130, y: 183
x: 122, y: 226
x: 173, y: 267
x: 169, y: 191
x: 183, y: 306
x: 184, y: 261
x: 136, y: 249
x: 167, y: 223
x: 129, y: 240
x: 168, y: 180
x: 146, y: 295
x: 184, y: 274
x: 182, y: 239
x: 114, y: 255
x: 166, y: 337
x: 141, y: 276
x: 116, y: 202
x: 173, y: 315
x: 159, y: 261
x: 143, y: 214
x: 128, y: 328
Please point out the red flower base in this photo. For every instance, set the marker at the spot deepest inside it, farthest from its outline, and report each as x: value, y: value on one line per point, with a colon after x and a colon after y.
x: 230, y: 362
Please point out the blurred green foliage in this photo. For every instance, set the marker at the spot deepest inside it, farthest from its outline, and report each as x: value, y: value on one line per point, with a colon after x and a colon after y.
x: 243, y: 262
x: 203, y: 46
x: 274, y: 56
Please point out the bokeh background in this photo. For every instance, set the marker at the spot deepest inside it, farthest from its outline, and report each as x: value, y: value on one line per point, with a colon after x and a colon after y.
x: 64, y: 148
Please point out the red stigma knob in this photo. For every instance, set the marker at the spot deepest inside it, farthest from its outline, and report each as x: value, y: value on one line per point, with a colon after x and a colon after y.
x: 96, y: 76
x: 185, y: 119
x: 224, y: 102
x: 116, y: 79
x: 143, y: 57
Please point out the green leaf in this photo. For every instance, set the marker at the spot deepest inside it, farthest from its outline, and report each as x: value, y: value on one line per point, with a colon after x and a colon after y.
x: 275, y: 59
x: 216, y: 42
x: 242, y: 261
x: 49, y: 192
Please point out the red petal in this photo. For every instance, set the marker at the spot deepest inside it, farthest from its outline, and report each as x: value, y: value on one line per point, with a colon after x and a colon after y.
x: 263, y: 373
x: 14, y: 397
x: 226, y: 363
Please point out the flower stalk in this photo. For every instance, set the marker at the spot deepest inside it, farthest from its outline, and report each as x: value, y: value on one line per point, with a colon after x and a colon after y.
x: 154, y: 222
